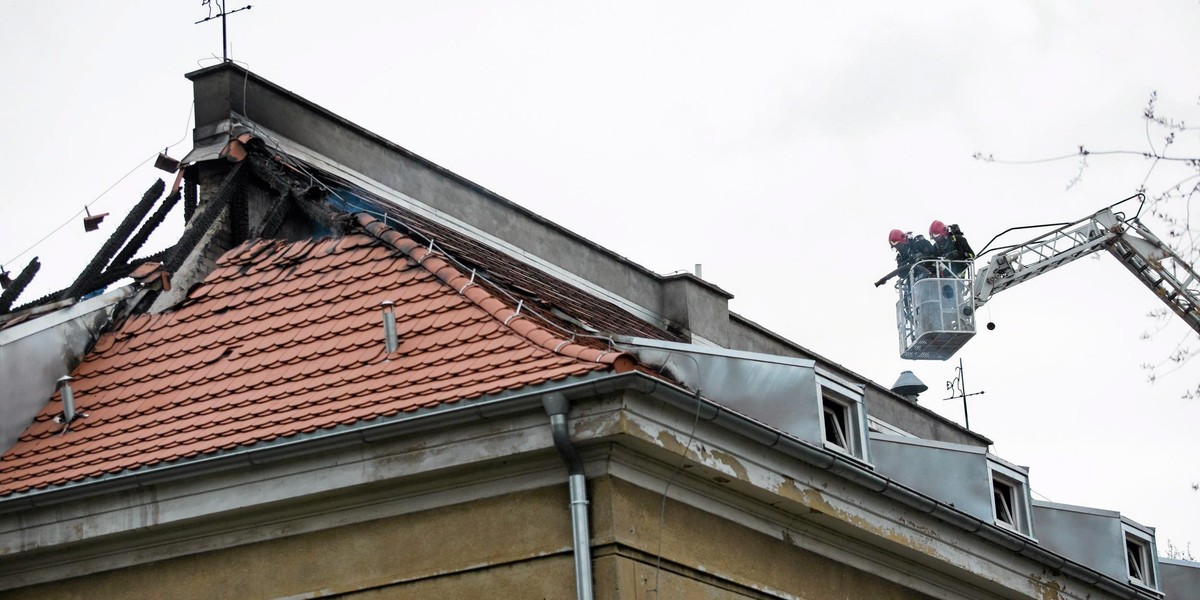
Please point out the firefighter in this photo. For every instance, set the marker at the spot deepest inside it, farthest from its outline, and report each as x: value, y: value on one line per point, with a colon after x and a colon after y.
x: 910, y: 250
x: 950, y: 244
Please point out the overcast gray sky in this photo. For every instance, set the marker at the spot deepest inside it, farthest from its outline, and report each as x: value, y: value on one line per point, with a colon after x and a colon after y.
x: 776, y: 143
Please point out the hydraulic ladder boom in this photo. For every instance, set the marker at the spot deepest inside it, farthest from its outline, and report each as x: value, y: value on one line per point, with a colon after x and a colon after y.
x: 1171, y: 278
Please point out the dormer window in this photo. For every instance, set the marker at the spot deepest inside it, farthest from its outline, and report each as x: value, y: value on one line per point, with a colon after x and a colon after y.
x: 1139, y: 558
x: 843, y: 420
x: 1010, y: 499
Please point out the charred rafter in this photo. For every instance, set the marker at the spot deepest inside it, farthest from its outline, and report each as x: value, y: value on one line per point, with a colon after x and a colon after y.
x: 284, y: 181
x: 117, y: 272
x: 147, y: 228
x: 86, y: 280
x: 110, y: 276
x: 18, y: 285
x: 239, y: 219
x: 275, y: 216
x: 230, y: 188
x: 191, y: 195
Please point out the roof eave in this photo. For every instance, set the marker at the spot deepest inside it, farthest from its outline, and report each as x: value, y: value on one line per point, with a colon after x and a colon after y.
x: 447, y: 414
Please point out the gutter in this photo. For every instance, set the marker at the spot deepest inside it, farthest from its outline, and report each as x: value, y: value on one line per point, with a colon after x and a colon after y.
x: 445, y: 415
x: 586, y: 386
x: 556, y: 406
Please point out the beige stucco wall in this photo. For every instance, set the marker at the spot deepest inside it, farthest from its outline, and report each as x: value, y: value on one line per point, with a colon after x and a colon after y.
x: 511, y: 546
x: 705, y: 556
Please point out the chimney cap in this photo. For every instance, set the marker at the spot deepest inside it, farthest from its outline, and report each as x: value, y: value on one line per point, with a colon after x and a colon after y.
x: 908, y: 385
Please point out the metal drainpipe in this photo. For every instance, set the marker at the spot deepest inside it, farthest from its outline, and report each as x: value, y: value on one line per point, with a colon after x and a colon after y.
x: 556, y: 406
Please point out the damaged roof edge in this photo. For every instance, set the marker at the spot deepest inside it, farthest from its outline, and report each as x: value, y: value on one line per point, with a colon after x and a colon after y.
x: 245, y: 76
x: 35, y: 354
x: 63, y: 311
x: 451, y: 276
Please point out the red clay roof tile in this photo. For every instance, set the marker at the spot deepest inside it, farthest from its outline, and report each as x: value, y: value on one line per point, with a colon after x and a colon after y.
x: 284, y: 339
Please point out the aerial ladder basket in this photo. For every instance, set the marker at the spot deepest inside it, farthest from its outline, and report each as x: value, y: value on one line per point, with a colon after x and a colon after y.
x: 935, y: 313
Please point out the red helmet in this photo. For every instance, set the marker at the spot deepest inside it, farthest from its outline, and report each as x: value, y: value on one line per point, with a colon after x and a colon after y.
x: 896, y: 237
x: 937, y: 228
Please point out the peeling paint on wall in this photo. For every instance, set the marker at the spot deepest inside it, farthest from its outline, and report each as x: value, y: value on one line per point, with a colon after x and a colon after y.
x: 815, y: 500
x: 1047, y: 590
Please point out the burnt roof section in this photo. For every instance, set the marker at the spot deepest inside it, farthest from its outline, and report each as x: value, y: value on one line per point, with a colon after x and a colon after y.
x: 284, y: 339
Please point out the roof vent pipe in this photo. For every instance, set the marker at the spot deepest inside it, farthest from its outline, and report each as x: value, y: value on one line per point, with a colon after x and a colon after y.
x: 390, y: 340
x: 909, y: 386
x: 68, y: 399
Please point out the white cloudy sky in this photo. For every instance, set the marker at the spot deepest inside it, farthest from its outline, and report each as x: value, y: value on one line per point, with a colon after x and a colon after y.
x: 776, y: 143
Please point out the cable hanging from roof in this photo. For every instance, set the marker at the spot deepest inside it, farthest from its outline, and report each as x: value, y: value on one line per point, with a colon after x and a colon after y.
x: 383, y: 215
x: 191, y: 111
x: 371, y: 198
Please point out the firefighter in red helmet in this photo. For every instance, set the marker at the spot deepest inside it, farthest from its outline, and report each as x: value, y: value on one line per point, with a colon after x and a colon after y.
x: 910, y: 249
x: 950, y: 244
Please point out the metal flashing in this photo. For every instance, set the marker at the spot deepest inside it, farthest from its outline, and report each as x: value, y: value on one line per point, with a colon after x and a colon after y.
x: 885, y: 428
x: 208, y: 151
x: 1087, y: 510
x: 1178, y: 579
x: 1130, y: 523
x: 967, y: 477
x: 761, y: 329
x: 69, y: 310
x: 714, y: 351
x: 924, y: 443
x: 1096, y: 538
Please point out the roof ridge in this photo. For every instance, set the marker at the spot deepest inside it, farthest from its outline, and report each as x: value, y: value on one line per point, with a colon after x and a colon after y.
x: 489, y: 302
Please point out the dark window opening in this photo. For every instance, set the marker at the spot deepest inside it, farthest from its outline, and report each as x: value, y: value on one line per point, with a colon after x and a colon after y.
x: 836, y: 424
x: 1136, y: 557
x: 1005, y: 498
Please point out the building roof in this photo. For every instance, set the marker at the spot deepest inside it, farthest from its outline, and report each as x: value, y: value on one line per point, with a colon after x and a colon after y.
x: 287, y: 338
x: 576, y: 309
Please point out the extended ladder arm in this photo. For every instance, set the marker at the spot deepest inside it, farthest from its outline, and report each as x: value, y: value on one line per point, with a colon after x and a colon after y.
x: 1171, y: 278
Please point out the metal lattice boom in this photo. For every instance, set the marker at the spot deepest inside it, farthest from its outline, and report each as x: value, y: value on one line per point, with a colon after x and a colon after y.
x: 1153, y: 262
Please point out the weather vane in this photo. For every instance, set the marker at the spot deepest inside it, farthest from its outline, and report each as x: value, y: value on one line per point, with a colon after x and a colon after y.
x: 958, y: 389
x: 220, y: 4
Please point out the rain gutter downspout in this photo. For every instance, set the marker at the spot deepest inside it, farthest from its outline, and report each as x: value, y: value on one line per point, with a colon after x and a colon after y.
x: 556, y: 406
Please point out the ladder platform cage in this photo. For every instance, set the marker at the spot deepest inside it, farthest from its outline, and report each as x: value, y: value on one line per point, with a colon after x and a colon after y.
x: 935, y: 312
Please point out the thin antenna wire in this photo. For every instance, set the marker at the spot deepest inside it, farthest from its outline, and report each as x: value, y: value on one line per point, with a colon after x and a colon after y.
x: 82, y: 210
x: 366, y: 195
x: 186, y: 129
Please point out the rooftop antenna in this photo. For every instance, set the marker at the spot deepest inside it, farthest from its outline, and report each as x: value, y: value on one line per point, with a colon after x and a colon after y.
x: 220, y: 4
x: 958, y: 389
